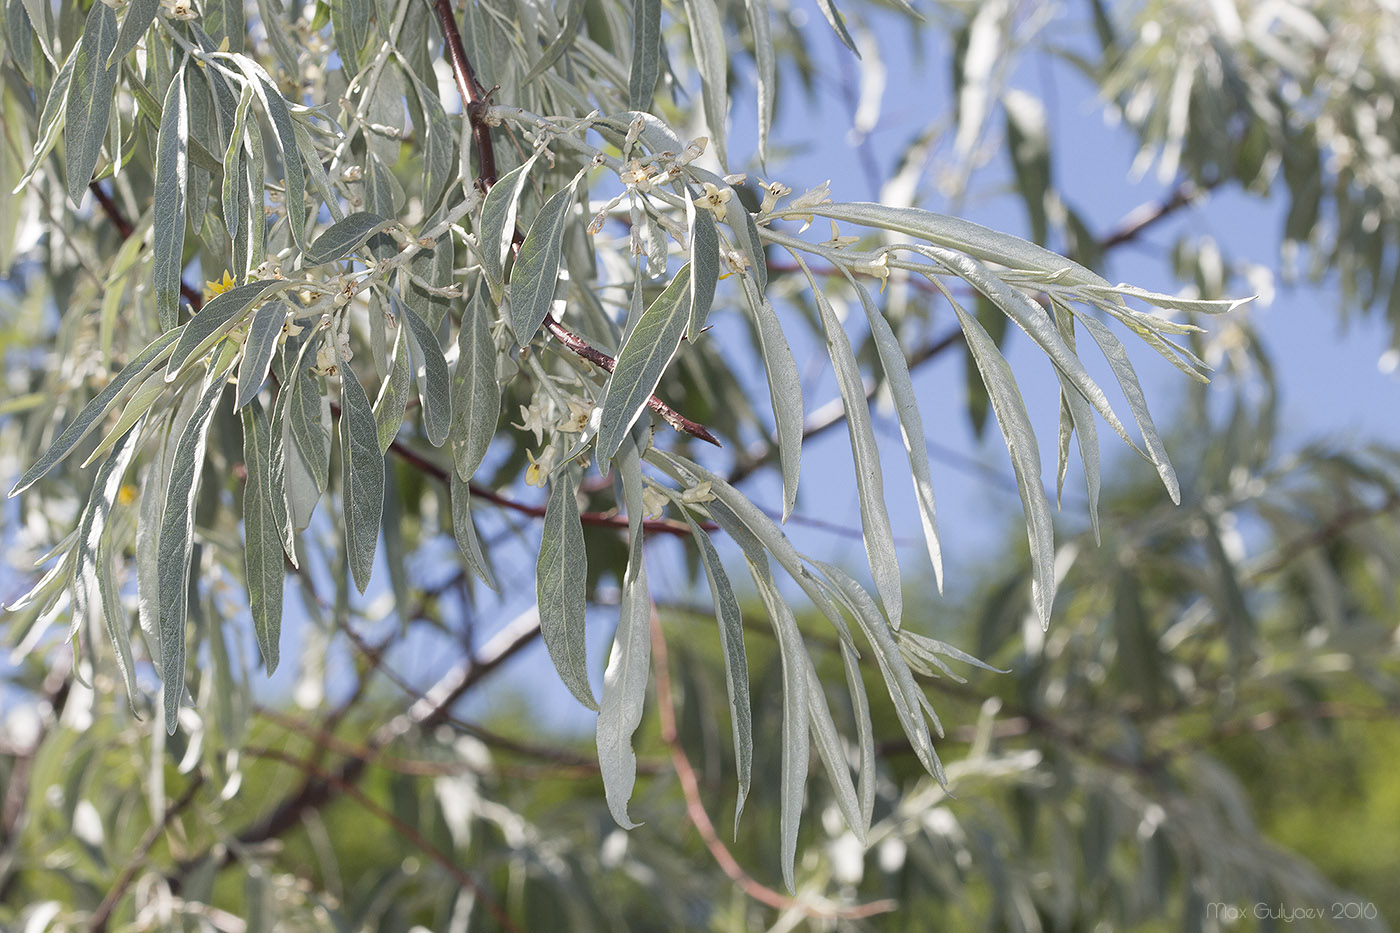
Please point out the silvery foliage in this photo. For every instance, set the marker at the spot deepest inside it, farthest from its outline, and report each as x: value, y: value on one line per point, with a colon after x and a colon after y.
x: 346, y: 209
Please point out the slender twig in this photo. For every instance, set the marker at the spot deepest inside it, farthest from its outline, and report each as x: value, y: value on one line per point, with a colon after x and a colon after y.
x: 474, y: 101
x: 405, y: 831
x: 1140, y: 218
x: 101, y: 916
x: 695, y: 807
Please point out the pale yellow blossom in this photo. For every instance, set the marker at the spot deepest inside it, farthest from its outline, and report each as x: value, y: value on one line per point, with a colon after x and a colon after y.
x: 715, y: 200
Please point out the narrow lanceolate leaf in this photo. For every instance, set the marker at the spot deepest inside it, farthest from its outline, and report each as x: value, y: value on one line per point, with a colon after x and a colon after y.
x: 785, y: 392
x: 464, y: 530
x: 1034, y: 320
x: 51, y: 120
x: 646, y: 53
x: 215, y: 319
x: 88, y: 585
x: 560, y: 581
x: 833, y: 752
x: 536, y: 271
x: 90, y: 99
x: 362, y: 476
x: 117, y: 623
x: 1127, y: 378
x: 276, y: 109
x: 894, y: 669
x: 1077, y: 418
x: 93, y: 412
x: 176, y: 542
x: 172, y: 171
x: 766, y: 70
x: 498, y: 211
x: 344, y: 237
x: 911, y: 425
x: 704, y: 266
x: 629, y: 663
x: 393, y: 392
x: 476, y: 395
x: 230, y: 189
x: 135, y: 408
x: 644, y: 356
x: 870, y: 483
x: 1015, y: 425
x: 736, y: 663
x: 430, y: 370
x: 712, y: 57
x: 838, y: 23
x: 139, y: 16
x: 261, y: 344
x: 262, y: 535
x: 865, y: 734
x: 796, y: 738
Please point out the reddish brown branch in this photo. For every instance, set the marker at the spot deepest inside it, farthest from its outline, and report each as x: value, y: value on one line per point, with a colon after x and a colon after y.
x: 695, y: 807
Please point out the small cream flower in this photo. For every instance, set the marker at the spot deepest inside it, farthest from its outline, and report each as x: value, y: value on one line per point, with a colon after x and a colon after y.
x: 579, y: 414
x: 537, y: 417
x: 654, y: 502
x: 715, y: 200
x: 772, y: 191
x: 838, y: 241
x: 537, y: 473
x: 697, y: 494
x: 639, y: 176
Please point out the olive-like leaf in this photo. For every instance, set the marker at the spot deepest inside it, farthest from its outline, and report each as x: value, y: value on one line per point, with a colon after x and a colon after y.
x: 214, y: 321
x: 430, y: 371
x: 704, y: 266
x: 464, y: 531
x: 90, y: 95
x: 560, y: 581
x: 344, y: 236
x: 262, y: 535
x: 168, y: 224
x: 476, y: 395
x: 176, y: 542
x: 258, y: 350
x: 642, y: 360
x: 646, y: 53
x: 498, y: 211
x: 393, y: 392
x: 536, y: 272
x: 712, y: 57
x: 362, y: 476
x: 93, y: 412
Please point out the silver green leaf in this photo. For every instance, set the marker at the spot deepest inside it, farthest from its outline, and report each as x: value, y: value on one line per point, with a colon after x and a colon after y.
x: 393, y: 392
x: 560, y: 583
x: 796, y: 737
x: 712, y: 58
x: 870, y: 483
x: 911, y: 425
x: 430, y: 372
x: 1076, y: 417
x: 838, y: 23
x: 536, y: 272
x: 362, y: 476
x: 136, y: 407
x: 51, y: 120
x: 93, y: 412
x: 646, y: 53
x: 1016, y: 429
x: 629, y: 662
x: 865, y: 734
x: 140, y: 14
x: 214, y: 320
x: 92, y: 589
x: 736, y: 664
x: 765, y: 70
x: 704, y: 266
x: 90, y: 95
x: 258, y: 350
x: 784, y: 390
x: 176, y: 543
x: 833, y: 752
x: 498, y: 211
x: 262, y: 535
x: 309, y: 419
x: 476, y: 401
x: 344, y: 236
x: 894, y: 669
x: 573, y: 15
x: 464, y: 530
x: 641, y: 361
x: 168, y: 223
x: 276, y: 109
